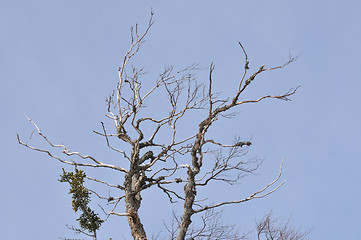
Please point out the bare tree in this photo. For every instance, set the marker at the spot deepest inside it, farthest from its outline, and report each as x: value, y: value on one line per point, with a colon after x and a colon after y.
x: 210, y: 227
x: 272, y: 229
x: 155, y: 152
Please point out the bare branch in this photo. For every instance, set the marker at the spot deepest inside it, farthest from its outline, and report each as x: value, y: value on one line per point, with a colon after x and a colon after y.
x: 168, y: 192
x: 258, y: 194
x: 246, y: 67
x: 238, y: 144
x: 119, y: 214
x: 67, y: 152
x: 113, y: 148
x: 211, y: 69
x: 271, y: 228
x: 134, y: 48
x: 108, y: 184
x: 282, y: 97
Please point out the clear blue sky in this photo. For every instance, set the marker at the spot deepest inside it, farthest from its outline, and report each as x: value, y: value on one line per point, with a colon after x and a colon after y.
x: 59, y: 60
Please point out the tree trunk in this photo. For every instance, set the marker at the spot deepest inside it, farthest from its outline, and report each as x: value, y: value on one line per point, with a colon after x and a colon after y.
x: 189, y: 190
x: 132, y: 204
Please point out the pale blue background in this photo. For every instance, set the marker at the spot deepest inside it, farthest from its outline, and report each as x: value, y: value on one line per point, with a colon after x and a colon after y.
x: 59, y: 60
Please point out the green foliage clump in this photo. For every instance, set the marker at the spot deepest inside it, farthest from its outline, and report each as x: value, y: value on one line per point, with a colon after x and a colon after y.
x: 88, y: 220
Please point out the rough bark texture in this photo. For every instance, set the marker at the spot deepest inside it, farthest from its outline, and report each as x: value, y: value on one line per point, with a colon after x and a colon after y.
x: 133, y: 183
x: 132, y: 205
x: 189, y: 190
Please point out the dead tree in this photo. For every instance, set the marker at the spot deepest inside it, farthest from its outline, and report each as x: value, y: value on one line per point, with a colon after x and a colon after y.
x: 270, y: 228
x: 210, y: 227
x: 151, y: 161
